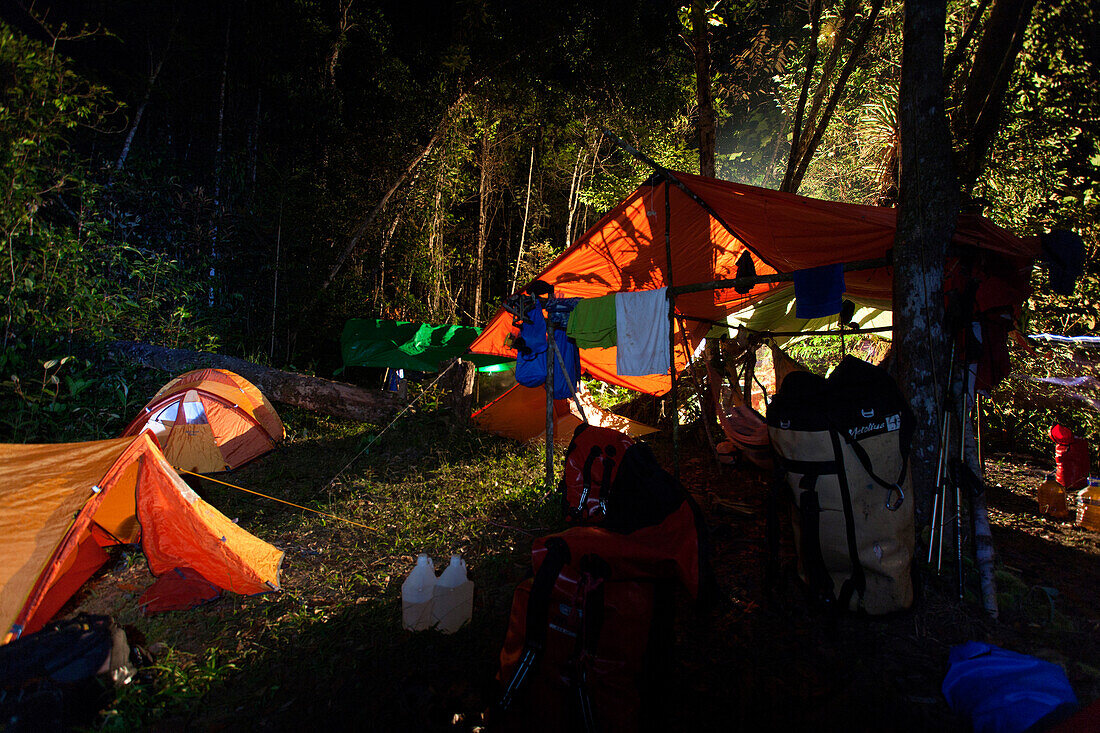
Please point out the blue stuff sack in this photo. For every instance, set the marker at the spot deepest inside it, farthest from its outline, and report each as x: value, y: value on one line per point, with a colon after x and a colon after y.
x: 1002, y: 691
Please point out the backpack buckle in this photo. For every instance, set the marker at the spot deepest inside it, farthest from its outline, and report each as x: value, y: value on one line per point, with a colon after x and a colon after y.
x: 901, y: 498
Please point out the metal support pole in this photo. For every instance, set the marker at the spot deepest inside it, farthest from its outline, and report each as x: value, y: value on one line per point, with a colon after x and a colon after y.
x: 940, y: 495
x: 672, y: 339
x: 963, y: 417
x: 549, y: 402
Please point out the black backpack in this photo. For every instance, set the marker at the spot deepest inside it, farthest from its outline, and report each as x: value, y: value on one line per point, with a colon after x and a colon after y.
x: 51, y: 680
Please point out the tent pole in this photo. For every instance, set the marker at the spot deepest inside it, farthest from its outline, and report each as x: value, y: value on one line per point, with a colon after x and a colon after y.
x: 672, y: 340
x: 549, y: 402
x: 700, y: 392
x: 666, y: 174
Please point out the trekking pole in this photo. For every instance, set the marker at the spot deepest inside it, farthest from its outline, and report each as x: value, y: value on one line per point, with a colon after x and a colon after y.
x: 964, y: 415
x: 565, y: 372
x: 937, y: 490
x: 549, y: 386
x: 525, y: 664
x: 939, y: 495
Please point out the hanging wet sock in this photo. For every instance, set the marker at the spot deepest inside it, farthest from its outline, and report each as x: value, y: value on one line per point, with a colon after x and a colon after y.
x: 745, y: 268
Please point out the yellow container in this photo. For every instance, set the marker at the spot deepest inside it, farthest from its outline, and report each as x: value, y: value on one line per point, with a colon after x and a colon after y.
x: 1052, y: 499
x: 1088, y: 506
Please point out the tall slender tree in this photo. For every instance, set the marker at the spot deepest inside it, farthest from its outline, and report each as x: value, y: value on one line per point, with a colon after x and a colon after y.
x: 927, y: 206
x: 700, y: 31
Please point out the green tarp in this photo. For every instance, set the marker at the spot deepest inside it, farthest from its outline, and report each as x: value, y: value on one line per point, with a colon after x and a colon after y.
x: 407, y: 345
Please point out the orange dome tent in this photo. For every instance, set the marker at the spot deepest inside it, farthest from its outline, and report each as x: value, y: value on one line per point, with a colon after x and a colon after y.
x: 210, y: 420
x: 61, y: 504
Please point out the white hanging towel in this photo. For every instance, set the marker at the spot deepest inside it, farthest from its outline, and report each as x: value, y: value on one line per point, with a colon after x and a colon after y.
x: 641, y: 330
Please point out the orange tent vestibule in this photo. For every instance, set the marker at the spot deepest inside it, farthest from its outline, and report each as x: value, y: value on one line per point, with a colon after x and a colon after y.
x: 210, y: 420
x: 61, y: 504
x: 520, y: 414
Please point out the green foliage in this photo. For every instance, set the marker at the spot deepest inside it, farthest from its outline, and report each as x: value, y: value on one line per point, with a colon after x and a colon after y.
x: 80, y: 259
x: 66, y: 398
x: 174, y: 683
x: 1043, y: 168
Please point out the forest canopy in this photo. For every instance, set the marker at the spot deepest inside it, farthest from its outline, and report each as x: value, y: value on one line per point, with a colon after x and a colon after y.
x: 246, y: 176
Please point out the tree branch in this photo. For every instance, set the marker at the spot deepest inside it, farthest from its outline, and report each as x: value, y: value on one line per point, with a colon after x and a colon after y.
x: 811, y: 60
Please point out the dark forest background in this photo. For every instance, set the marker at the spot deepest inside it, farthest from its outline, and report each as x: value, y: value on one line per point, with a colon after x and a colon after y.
x: 245, y: 176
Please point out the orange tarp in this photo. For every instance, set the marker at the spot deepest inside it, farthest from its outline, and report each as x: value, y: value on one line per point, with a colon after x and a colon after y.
x: 210, y: 420
x: 59, y: 503
x: 520, y: 414
x: 625, y: 251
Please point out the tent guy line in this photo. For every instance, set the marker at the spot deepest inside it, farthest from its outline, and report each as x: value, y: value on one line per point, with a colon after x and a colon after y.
x: 392, y: 422
x: 281, y: 501
x: 770, y: 334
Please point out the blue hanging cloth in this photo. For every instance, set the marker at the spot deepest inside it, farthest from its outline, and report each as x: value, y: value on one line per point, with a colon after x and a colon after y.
x: 818, y: 291
x: 531, y: 354
x: 531, y: 349
x: 571, y: 355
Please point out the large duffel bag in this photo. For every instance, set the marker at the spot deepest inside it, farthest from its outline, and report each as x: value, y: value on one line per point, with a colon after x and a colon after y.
x: 843, y: 449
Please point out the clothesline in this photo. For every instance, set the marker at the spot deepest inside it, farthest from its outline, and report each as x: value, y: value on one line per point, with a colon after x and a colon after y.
x: 769, y: 334
x: 778, y: 277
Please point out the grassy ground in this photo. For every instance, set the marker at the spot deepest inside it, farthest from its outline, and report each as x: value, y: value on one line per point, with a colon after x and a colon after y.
x: 328, y: 651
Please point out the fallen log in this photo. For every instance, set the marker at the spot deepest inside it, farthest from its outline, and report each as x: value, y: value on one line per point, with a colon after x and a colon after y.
x: 311, y: 393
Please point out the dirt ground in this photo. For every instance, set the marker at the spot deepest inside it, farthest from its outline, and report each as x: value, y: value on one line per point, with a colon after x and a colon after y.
x: 766, y: 660
x: 757, y: 661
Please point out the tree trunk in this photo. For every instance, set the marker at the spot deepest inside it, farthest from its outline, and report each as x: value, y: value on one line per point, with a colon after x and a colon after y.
x: 482, y: 220
x: 984, y: 98
x: 701, y: 33
x: 800, y: 109
x: 843, y: 29
x: 954, y: 59
x: 254, y: 145
x: 138, y: 115
x: 526, y: 210
x: 574, y: 196
x: 154, y: 72
x: 810, y: 147
x: 310, y: 393
x: 435, y: 245
x: 444, y: 124
x: 458, y: 385
x: 218, y: 147
x: 927, y: 209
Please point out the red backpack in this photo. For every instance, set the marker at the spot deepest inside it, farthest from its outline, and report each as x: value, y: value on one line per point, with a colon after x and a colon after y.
x: 591, y: 463
x: 584, y: 646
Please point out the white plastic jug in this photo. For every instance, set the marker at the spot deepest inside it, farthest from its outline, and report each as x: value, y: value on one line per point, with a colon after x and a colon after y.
x: 453, y: 603
x: 416, y: 595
